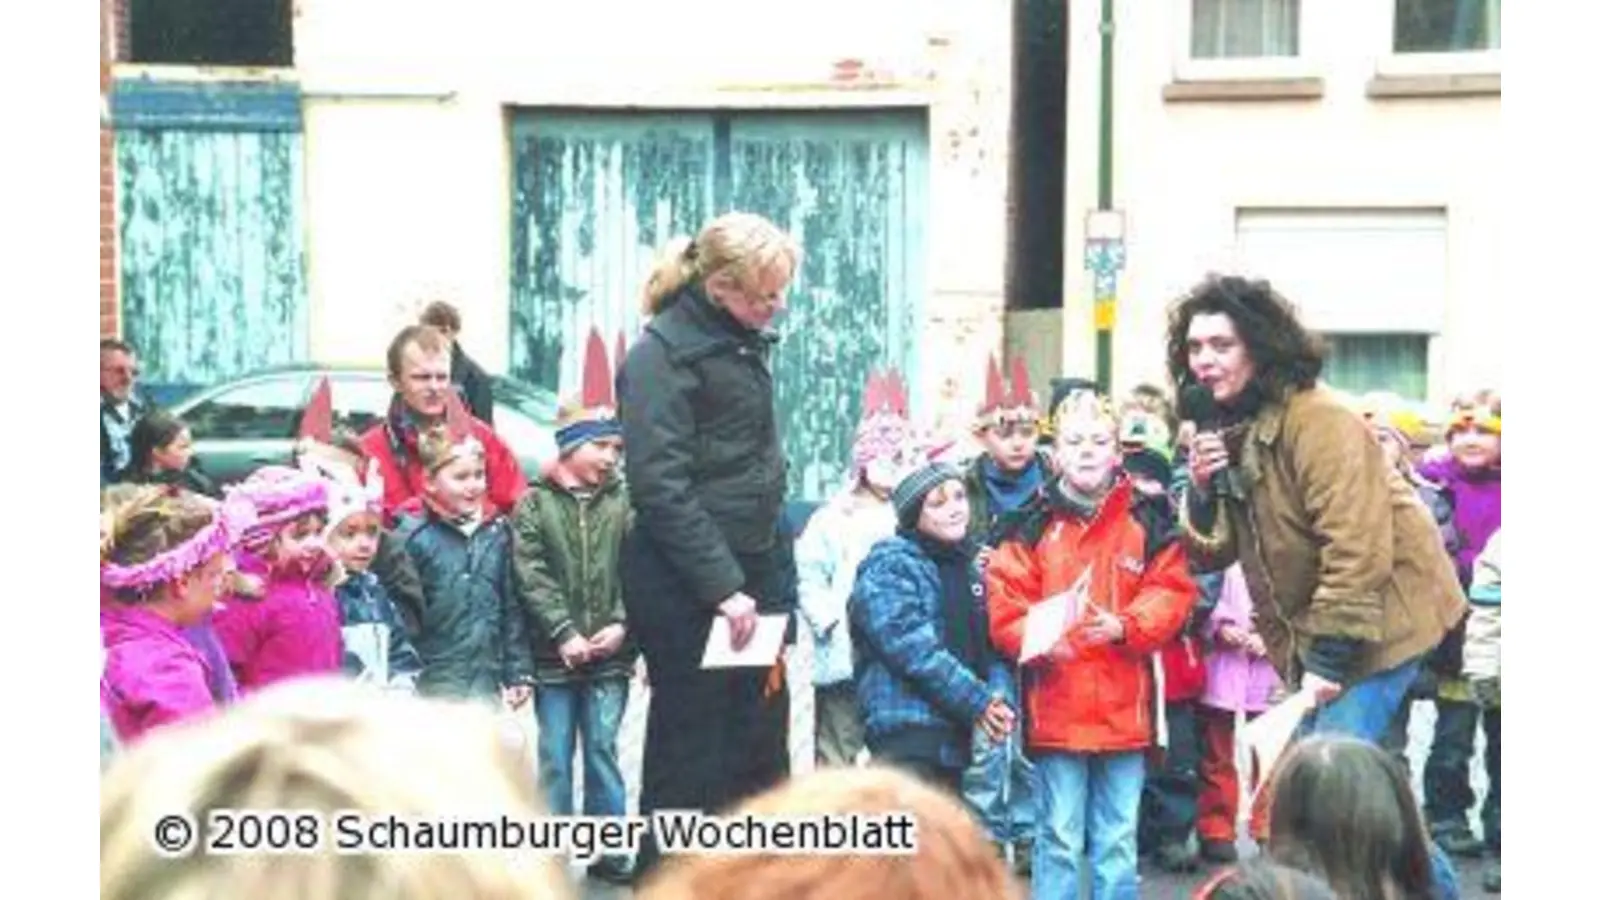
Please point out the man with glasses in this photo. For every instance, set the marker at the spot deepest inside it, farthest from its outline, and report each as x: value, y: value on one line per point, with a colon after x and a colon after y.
x: 119, y: 408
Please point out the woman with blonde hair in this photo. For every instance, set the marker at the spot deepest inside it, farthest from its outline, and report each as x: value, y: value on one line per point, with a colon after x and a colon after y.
x: 953, y: 859
x: 324, y: 747
x: 706, y: 480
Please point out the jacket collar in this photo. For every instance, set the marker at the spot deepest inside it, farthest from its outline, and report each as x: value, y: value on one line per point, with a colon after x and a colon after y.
x: 693, y: 327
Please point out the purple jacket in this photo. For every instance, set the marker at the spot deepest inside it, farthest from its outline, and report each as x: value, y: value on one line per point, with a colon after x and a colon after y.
x: 1234, y: 681
x: 204, y: 638
x: 293, y: 630
x: 153, y: 676
x: 1475, y: 496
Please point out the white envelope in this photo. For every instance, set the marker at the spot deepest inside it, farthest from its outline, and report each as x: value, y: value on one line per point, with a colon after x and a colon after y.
x: 762, y: 651
x: 1269, y: 734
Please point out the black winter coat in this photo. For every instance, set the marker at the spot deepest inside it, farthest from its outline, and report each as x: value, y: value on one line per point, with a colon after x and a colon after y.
x: 705, y: 472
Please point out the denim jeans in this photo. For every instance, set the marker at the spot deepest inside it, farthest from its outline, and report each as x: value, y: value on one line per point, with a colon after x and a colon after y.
x: 1365, y: 710
x: 594, y: 710
x: 1088, y: 802
x: 1007, y: 811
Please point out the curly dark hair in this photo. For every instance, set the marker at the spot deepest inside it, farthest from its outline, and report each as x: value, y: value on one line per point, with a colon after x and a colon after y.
x: 1287, y: 356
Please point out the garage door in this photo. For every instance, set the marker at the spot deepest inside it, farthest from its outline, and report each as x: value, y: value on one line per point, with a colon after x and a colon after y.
x: 594, y: 196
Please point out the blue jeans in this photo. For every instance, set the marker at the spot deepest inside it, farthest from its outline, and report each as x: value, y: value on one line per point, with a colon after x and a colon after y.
x: 1088, y: 800
x: 1006, y: 810
x: 594, y: 709
x: 1365, y: 710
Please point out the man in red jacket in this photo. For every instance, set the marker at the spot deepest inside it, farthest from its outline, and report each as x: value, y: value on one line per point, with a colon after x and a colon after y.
x: 419, y: 371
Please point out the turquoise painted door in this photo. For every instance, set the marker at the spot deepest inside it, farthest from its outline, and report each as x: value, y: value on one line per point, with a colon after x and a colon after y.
x: 596, y: 195
x: 209, y: 221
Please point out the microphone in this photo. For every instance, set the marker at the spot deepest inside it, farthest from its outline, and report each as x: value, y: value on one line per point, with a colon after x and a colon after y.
x: 1197, y: 405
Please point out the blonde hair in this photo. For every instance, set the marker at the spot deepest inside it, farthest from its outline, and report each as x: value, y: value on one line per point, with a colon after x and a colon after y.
x: 140, y: 522
x: 1086, y: 404
x: 953, y: 857
x: 324, y: 745
x: 742, y: 244
x: 437, y: 449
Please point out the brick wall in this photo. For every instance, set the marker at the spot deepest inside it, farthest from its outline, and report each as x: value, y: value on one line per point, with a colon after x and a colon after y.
x: 113, y: 30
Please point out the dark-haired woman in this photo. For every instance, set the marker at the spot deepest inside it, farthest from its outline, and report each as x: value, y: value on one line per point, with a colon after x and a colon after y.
x: 162, y: 452
x: 1354, y: 586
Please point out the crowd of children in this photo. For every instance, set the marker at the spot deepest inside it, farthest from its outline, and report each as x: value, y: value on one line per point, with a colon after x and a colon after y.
x: 916, y: 583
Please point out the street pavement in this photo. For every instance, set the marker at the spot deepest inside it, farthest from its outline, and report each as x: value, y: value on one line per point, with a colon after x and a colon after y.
x: 1154, y: 884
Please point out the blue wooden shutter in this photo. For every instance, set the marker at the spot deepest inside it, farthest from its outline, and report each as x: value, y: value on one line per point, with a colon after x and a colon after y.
x: 210, y: 213
x: 595, y: 195
x: 851, y: 187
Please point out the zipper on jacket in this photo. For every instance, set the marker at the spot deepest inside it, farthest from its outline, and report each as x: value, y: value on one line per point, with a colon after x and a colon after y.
x: 1277, y: 610
x: 583, y: 559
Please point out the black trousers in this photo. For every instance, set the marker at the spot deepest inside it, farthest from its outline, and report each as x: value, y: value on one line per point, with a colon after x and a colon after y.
x: 1170, y: 803
x: 713, y: 737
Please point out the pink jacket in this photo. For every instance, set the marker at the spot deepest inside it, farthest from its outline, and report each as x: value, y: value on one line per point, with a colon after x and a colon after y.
x: 153, y: 675
x: 293, y: 630
x: 1234, y: 681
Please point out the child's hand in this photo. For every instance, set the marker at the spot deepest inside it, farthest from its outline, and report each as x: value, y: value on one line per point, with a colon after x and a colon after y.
x: 575, y: 651
x: 516, y: 695
x: 997, y: 720
x: 1254, y: 646
x: 1101, y: 627
x: 1232, y: 636
x: 607, y: 641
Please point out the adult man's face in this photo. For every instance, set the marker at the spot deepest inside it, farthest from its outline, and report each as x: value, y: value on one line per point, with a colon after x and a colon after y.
x: 117, y: 373
x: 424, y: 380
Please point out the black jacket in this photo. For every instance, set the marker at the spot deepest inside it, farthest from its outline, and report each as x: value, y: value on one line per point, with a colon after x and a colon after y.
x: 705, y: 472
x: 473, y: 638
x: 475, y: 384
x: 193, y: 479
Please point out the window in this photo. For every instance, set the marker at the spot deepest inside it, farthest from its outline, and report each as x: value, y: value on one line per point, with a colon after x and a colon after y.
x: 1358, y: 363
x: 360, y: 402
x: 260, y: 410
x: 1446, y: 26
x: 211, y: 32
x: 1244, y: 29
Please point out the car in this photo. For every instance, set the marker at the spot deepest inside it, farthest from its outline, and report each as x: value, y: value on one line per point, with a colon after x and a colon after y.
x: 251, y: 421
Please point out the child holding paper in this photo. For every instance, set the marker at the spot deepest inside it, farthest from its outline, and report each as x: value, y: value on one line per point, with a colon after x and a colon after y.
x: 920, y: 632
x: 1090, y: 698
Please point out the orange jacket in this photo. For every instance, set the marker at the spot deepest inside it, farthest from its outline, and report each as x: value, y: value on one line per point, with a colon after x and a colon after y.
x: 1100, y: 699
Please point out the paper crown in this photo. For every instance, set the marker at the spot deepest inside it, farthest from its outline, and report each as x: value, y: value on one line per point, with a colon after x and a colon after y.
x: 1004, y: 402
x: 885, y: 428
x: 592, y: 414
x: 316, y: 422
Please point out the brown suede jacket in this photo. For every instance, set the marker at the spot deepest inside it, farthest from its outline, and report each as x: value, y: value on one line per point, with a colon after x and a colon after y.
x: 1333, y: 542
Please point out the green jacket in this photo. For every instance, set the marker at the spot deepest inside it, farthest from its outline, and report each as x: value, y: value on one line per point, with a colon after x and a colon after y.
x: 566, y: 558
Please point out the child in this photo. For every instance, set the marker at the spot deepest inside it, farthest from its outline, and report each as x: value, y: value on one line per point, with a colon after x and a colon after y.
x: 1264, y: 880
x: 1169, y: 804
x: 472, y: 634
x: 162, y: 452
x: 202, y: 634
x: 1090, y: 698
x: 1239, y: 679
x: 377, y: 648
x: 1481, y: 665
x: 1010, y: 471
x: 568, y: 530
x: 831, y: 549
x: 953, y: 859
x: 327, y: 747
x: 921, y: 638
x: 163, y: 565
x: 1343, y: 810
x: 1470, y: 477
x: 293, y: 629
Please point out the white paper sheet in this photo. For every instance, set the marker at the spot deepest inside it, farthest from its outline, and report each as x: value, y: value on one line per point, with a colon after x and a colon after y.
x: 1050, y: 618
x: 1268, y: 735
x: 762, y: 650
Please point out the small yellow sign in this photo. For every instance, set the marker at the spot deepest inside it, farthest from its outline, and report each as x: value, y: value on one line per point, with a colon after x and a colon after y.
x: 1105, y: 313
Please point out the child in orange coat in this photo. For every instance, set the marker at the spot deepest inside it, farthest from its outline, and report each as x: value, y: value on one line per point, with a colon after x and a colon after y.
x: 1090, y: 699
